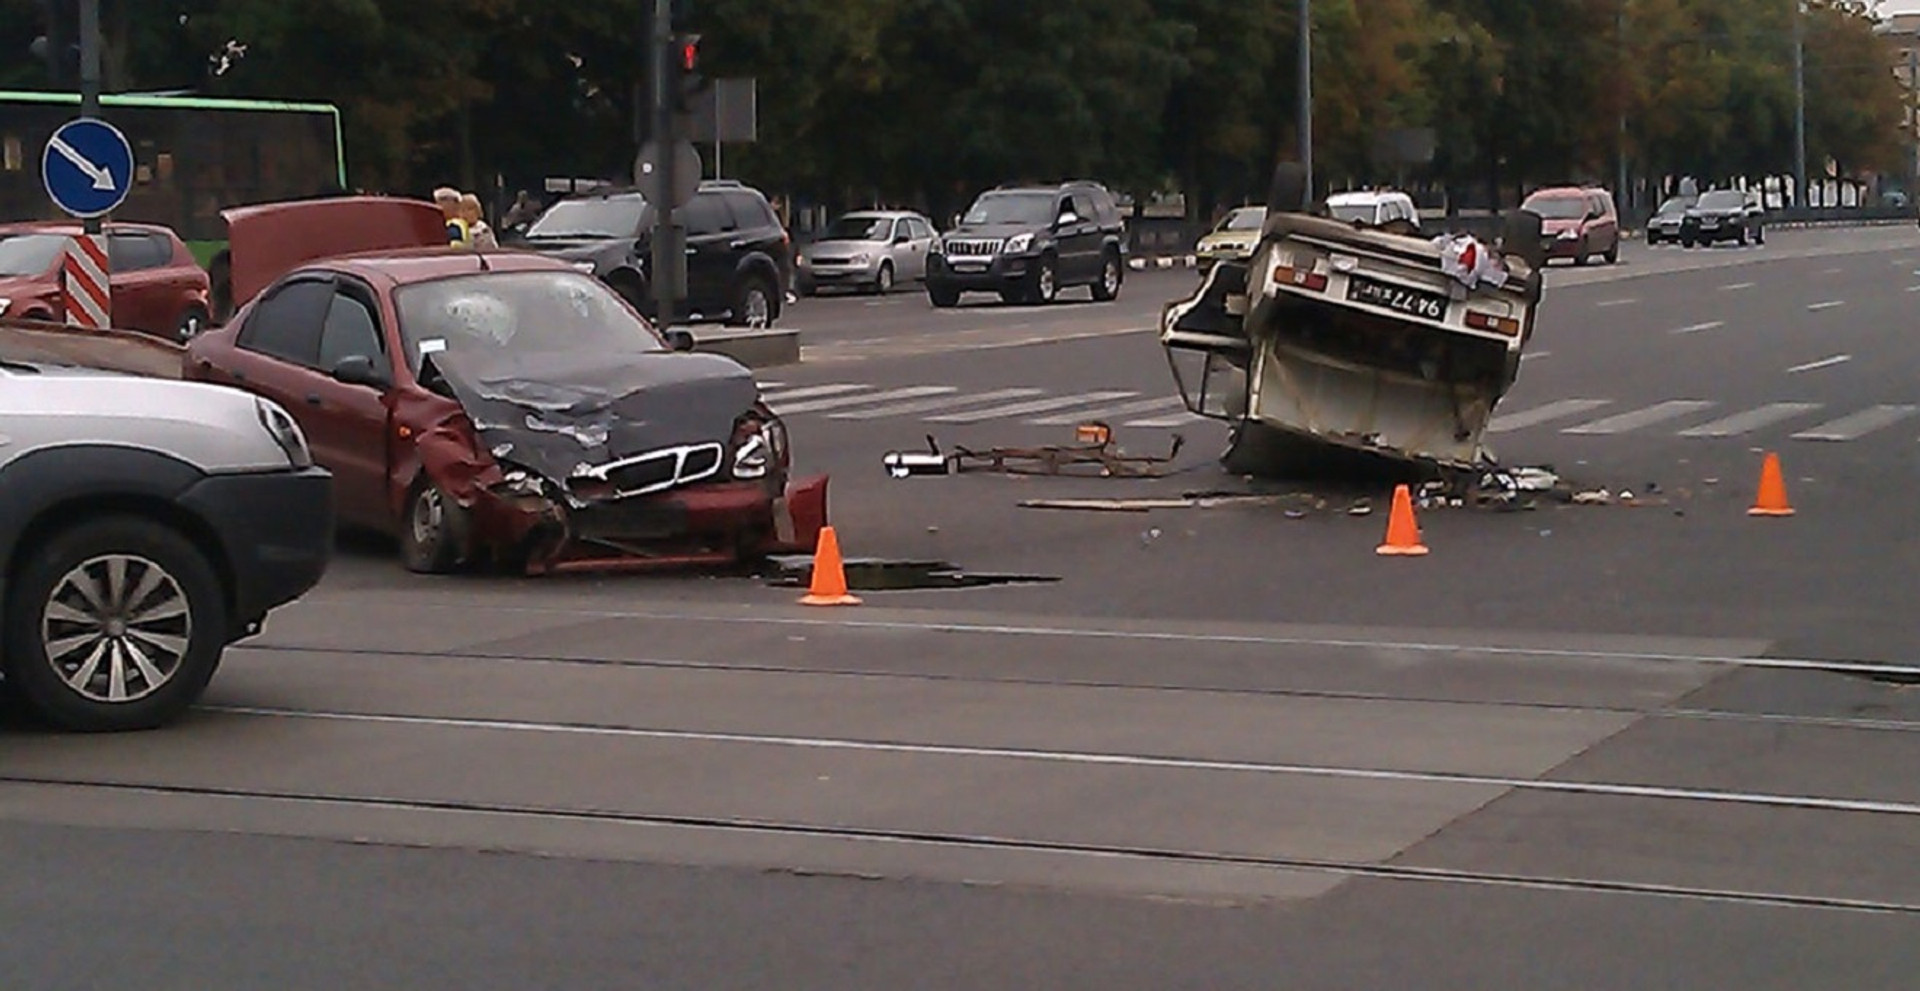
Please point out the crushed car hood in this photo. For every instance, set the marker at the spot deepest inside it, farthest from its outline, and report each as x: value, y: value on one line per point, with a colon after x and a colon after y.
x: 557, y: 414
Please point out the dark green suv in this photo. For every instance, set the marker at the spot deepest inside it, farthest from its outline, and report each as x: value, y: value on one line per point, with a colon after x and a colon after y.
x: 1029, y: 242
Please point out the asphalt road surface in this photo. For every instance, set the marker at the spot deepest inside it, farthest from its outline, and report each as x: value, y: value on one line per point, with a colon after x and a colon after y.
x: 1630, y: 747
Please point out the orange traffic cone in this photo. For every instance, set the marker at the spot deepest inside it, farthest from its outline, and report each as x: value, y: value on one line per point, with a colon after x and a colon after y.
x: 1773, y: 490
x: 1403, y: 534
x: 829, y: 586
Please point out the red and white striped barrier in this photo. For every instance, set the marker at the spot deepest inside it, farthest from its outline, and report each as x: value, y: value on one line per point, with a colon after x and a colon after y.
x: 84, y: 286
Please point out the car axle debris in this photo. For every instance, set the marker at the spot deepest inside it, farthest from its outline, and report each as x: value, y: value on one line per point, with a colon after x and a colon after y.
x: 1094, y: 456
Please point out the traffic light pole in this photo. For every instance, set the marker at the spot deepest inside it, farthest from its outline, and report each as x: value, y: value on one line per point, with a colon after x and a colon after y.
x: 669, y: 252
x: 90, y: 76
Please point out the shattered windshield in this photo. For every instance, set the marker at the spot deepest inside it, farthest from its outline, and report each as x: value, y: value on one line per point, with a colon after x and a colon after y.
x: 859, y: 229
x: 1245, y: 219
x: 30, y: 254
x: 604, y: 217
x: 1558, y: 207
x: 1033, y: 209
x: 518, y: 314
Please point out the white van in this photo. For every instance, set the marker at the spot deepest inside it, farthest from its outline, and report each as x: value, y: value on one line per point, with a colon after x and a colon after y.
x: 1374, y: 208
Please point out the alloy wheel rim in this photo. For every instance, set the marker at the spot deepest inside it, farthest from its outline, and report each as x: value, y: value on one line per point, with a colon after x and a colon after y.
x: 1046, y: 282
x: 116, y: 628
x: 428, y: 515
x: 757, y: 308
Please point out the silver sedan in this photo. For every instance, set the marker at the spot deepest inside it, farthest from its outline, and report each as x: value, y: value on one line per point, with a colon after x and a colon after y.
x: 871, y: 250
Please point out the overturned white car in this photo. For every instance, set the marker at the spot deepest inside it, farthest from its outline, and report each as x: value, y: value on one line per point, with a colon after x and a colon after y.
x: 1336, y: 337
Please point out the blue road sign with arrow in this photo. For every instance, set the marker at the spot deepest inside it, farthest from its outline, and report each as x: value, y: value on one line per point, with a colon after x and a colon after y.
x: 87, y: 167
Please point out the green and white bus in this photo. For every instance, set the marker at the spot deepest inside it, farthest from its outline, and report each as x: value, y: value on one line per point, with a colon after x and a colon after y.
x: 193, y: 156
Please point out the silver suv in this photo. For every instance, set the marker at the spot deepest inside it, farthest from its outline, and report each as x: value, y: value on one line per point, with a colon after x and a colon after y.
x: 145, y: 524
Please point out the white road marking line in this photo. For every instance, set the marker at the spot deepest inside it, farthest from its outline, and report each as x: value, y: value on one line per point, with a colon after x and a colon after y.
x: 1110, y: 412
x: 1828, y: 305
x: 1753, y: 419
x: 1833, y: 271
x: 841, y: 402
x: 812, y: 390
x: 1036, y: 406
x: 1618, y: 302
x: 1541, y: 414
x: 771, y: 386
x: 1737, y: 286
x: 1622, y: 422
x: 1698, y: 327
x: 1914, y: 288
x: 1181, y: 418
x: 928, y: 405
x: 1859, y: 424
x: 1536, y: 354
x: 1109, y: 759
x: 1838, y: 359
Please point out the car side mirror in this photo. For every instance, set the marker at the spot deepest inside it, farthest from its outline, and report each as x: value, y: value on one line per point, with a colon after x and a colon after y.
x: 1067, y: 219
x: 680, y: 339
x: 358, y: 369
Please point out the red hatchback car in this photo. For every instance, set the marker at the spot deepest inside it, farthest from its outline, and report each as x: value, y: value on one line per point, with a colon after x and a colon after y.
x: 499, y: 406
x: 157, y: 287
x: 1577, y: 223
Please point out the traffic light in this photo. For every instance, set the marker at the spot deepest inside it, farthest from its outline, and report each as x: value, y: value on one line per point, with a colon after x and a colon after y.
x: 685, y: 83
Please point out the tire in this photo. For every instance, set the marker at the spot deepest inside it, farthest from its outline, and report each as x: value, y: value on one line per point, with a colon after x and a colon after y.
x: 178, y: 625
x: 1043, y: 286
x: 1580, y: 257
x: 756, y: 303
x: 1652, y: 239
x: 1688, y: 243
x: 1013, y: 297
x: 1107, y: 288
x: 192, y: 324
x: 944, y: 297
x: 883, y: 283
x: 433, y: 531
x: 1613, y: 254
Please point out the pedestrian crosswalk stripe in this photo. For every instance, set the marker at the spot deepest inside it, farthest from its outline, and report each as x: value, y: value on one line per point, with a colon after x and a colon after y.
x: 1543, y: 414
x: 1620, y: 423
x: 1173, y: 420
x: 1751, y: 420
x: 842, y: 402
x: 929, y: 405
x: 812, y: 390
x: 1111, y: 412
x: 1034, y: 406
x: 1859, y: 424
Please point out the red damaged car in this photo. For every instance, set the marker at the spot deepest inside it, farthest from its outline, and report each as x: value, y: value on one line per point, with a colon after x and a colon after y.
x: 499, y: 407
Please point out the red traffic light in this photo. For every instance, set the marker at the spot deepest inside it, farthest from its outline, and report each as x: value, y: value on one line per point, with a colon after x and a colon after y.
x: 689, y: 53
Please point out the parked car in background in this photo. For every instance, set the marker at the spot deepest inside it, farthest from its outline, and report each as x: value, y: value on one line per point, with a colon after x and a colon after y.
x: 1234, y: 238
x: 870, y: 249
x: 1578, y: 223
x: 1724, y: 215
x: 739, y: 257
x: 1029, y: 242
x: 1380, y: 209
x: 145, y: 524
x: 156, y: 285
x: 1664, y: 227
x: 503, y: 407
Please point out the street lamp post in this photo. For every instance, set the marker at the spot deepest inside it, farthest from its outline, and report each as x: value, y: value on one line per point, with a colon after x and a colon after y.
x: 1306, y: 92
x: 1799, y: 104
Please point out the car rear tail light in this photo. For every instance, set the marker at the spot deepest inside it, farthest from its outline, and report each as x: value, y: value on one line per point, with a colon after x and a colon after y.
x: 1492, y: 324
x: 1304, y: 278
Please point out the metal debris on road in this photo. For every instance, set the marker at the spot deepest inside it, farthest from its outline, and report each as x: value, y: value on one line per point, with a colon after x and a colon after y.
x: 1095, y: 456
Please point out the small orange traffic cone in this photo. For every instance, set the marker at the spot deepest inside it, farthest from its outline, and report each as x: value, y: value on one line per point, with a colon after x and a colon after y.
x: 829, y: 585
x: 1773, y: 490
x: 1403, y: 534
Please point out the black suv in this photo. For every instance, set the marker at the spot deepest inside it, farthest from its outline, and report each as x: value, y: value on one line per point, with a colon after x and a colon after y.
x: 1029, y: 242
x: 1724, y: 215
x: 739, y: 258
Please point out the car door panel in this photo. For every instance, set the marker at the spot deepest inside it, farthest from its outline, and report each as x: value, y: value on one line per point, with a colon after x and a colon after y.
x: 350, y: 421
x: 710, y: 234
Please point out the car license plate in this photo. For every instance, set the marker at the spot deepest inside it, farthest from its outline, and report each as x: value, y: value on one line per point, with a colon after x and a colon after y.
x: 960, y: 266
x: 1412, y: 302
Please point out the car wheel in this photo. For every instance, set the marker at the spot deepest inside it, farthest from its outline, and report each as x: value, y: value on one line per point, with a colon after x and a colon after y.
x: 433, y: 532
x: 755, y: 303
x: 1043, y: 285
x: 943, y: 297
x: 1108, y: 288
x: 883, y: 282
x: 1687, y: 243
x: 1613, y: 254
x: 192, y: 323
x: 1580, y: 254
x: 114, y: 624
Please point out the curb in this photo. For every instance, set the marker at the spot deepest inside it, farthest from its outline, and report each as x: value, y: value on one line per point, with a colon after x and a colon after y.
x: 752, y: 348
x: 1172, y: 261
